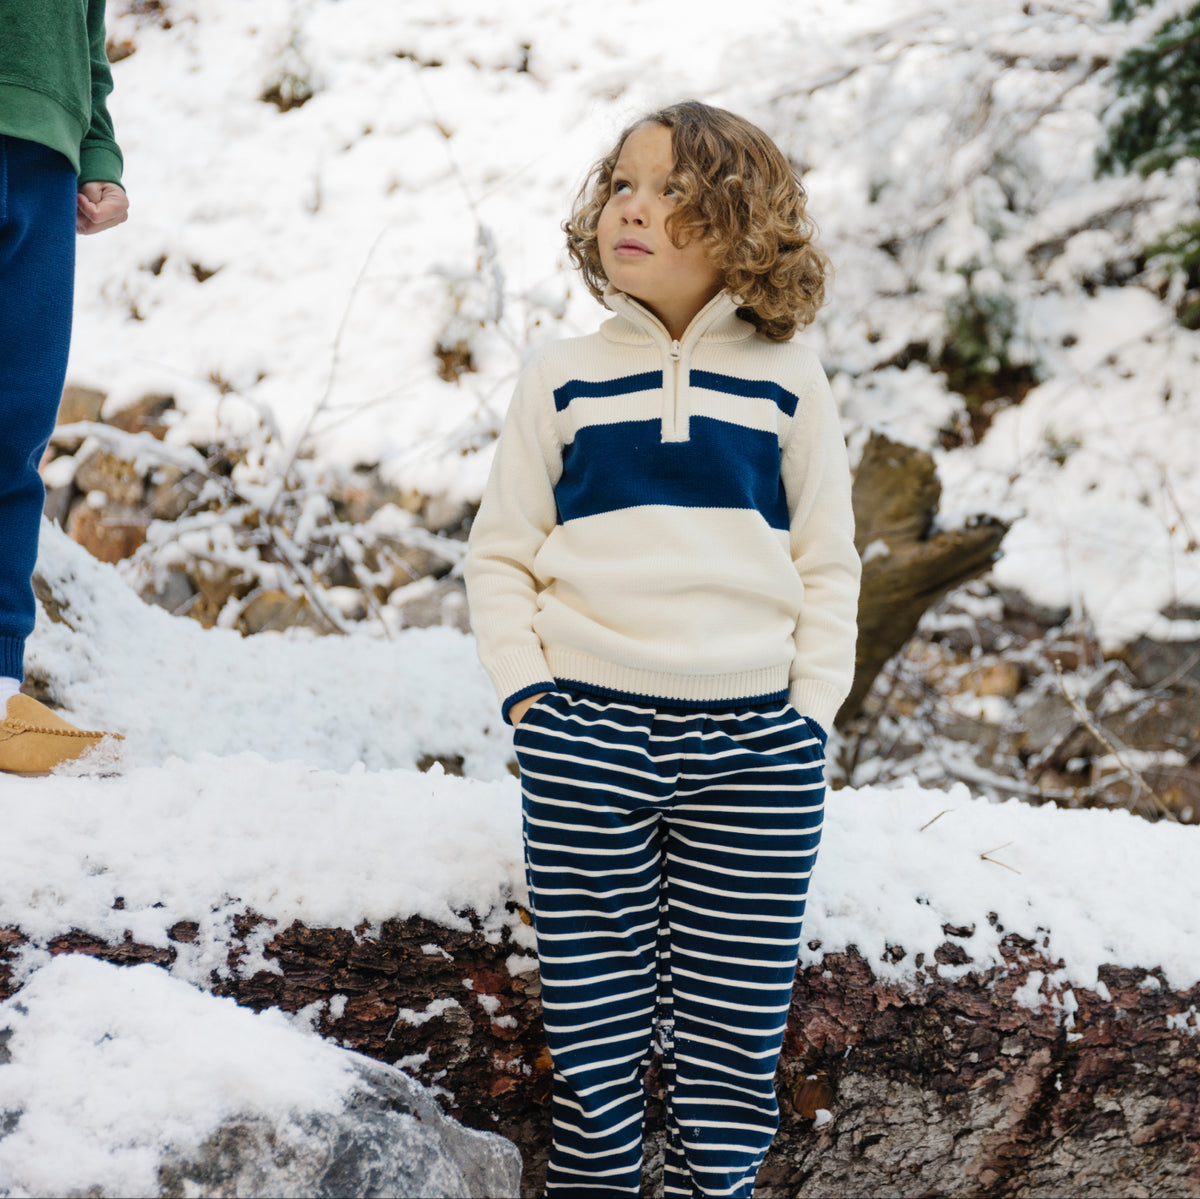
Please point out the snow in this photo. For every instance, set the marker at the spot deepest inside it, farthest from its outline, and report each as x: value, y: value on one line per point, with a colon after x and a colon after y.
x: 174, y: 689
x: 110, y: 1066
x: 409, y: 202
x: 896, y: 865
x: 251, y: 789
x: 417, y: 197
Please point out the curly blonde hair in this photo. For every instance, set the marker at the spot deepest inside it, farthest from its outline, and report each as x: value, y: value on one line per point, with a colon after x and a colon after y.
x: 737, y: 194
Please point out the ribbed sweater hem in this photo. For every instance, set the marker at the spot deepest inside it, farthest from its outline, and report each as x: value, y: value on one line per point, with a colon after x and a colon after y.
x: 12, y: 658
x: 670, y: 688
x: 677, y: 705
x: 37, y: 117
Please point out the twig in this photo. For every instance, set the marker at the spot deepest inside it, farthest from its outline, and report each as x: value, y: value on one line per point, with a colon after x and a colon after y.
x: 985, y: 857
x: 929, y: 822
x: 368, y: 594
x: 970, y: 773
x: 1192, y: 543
x: 876, y: 716
x: 334, y: 362
x: 289, y: 554
x: 937, y: 212
x: 1085, y: 717
x: 129, y: 445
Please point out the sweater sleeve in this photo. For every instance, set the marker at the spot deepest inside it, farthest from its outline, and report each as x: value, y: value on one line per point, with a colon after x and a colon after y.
x: 99, y: 155
x: 518, y: 512
x: 816, y: 477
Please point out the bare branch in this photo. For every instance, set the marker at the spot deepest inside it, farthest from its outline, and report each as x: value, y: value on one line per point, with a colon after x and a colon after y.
x: 1085, y: 717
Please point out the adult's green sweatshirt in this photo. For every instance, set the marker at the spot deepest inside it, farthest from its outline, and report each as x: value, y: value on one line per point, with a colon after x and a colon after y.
x: 54, y: 82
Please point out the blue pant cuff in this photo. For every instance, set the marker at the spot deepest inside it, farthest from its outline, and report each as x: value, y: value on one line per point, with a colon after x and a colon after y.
x: 12, y: 658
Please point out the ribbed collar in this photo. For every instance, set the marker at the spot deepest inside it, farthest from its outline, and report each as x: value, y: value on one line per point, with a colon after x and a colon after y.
x: 635, y: 324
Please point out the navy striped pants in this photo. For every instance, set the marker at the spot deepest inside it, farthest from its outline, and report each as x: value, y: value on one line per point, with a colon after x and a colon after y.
x: 668, y: 854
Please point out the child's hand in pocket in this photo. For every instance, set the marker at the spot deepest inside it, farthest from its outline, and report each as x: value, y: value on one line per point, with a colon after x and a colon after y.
x: 518, y: 710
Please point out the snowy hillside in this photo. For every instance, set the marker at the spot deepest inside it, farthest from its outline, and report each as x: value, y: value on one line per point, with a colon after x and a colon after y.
x: 309, y: 263
x: 300, y: 270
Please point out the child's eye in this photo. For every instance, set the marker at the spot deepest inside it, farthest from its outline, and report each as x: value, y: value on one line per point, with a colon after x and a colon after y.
x: 619, y: 186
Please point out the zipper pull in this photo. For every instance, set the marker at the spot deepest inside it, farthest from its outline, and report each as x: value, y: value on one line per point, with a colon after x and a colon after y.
x: 674, y: 352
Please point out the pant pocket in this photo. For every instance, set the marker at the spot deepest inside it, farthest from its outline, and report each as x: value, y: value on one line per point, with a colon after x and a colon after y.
x: 809, y: 737
x: 535, y: 715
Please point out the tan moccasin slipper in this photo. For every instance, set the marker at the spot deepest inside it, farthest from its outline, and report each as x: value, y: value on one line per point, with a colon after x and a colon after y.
x: 33, y: 740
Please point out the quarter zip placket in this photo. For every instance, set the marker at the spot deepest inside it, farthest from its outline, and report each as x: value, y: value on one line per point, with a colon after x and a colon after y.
x: 676, y: 360
x: 675, y: 421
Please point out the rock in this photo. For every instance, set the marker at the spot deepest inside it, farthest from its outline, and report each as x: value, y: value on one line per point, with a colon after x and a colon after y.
x: 430, y: 602
x: 1001, y: 678
x: 173, y: 593
x: 58, y: 503
x: 172, y: 491
x: 79, y: 403
x: 108, y: 532
x: 124, y: 1080
x: 391, y: 1139
x: 1157, y: 662
x: 357, y: 498
x: 411, y: 563
x: 216, y: 583
x: 145, y: 415
x: 1044, y: 718
x: 277, y: 610
x: 1027, y: 619
x: 116, y: 478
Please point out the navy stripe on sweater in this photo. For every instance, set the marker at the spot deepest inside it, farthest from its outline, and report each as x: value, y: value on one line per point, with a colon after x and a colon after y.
x: 574, y: 389
x: 609, y: 468
x: 755, y: 389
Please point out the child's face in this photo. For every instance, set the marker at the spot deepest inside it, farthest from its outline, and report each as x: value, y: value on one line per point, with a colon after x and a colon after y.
x: 637, y: 254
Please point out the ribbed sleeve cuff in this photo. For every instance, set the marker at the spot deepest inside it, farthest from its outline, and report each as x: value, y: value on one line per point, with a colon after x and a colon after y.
x: 100, y: 164
x: 519, y: 674
x: 810, y: 697
x: 12, y: 658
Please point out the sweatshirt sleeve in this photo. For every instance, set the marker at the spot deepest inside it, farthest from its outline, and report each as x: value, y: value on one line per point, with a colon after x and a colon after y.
x: 518, y: 512
x: 99, y: 155
x: 816, y: 476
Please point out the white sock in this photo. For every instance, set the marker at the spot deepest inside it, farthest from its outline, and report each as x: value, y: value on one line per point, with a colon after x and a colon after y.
x: 8, y: 688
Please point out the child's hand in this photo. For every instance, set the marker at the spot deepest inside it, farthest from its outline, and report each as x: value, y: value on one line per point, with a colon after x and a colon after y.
x: 100, y: 206
x: 518, y: 710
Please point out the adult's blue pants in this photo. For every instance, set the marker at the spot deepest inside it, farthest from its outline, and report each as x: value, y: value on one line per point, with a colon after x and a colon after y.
x: 668, y: 854
x: 37, y: 269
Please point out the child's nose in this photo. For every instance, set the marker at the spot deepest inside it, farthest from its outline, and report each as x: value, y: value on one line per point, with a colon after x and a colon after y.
x: 635, y: 209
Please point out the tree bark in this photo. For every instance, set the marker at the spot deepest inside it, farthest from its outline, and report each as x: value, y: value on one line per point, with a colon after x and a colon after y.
x: 908, y: 564
x: 934, y: 1087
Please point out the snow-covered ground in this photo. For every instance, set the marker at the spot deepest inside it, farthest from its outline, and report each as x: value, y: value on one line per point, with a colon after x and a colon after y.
x: 282, y: 824
x: 233, y: 792
x: 416, y: 199
x: 947, y: 147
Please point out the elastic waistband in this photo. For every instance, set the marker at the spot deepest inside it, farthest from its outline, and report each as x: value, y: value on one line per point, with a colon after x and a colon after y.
x: 755, y: 703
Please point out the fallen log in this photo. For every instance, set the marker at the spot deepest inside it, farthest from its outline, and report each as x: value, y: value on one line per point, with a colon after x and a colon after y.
x: 908, y: 564
x: 990, y: 1083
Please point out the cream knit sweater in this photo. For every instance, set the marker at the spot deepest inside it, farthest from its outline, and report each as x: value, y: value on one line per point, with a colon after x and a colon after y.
x: 669, y: 521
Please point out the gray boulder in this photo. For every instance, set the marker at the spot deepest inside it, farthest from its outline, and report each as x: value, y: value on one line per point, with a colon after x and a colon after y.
x: 390, y: 1139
